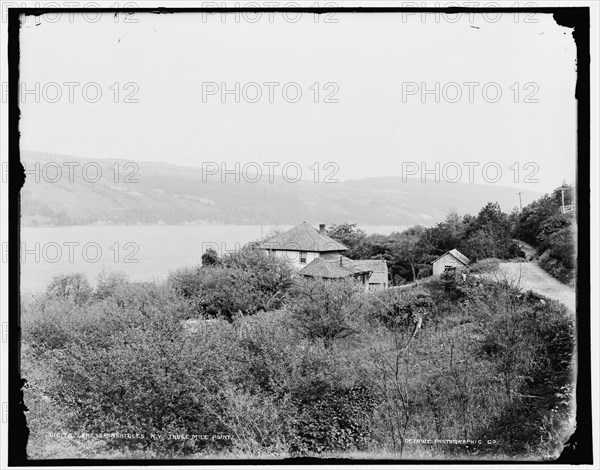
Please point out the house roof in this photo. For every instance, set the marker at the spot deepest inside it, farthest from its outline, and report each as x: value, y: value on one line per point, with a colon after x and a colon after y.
x: 456, y: 254
x: 303, y: 237
x: 332, y: 268
x: 378, y: 267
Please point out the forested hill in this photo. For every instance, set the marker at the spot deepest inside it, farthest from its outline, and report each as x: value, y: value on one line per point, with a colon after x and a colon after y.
x: 155, y: 193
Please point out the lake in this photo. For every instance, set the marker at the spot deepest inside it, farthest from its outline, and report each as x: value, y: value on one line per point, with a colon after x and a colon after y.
x: 143, y: 252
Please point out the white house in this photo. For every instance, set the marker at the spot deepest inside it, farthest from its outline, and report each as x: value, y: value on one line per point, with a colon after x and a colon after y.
x: 450, y: 260
x: 302, y: 244
x: 316, y: 254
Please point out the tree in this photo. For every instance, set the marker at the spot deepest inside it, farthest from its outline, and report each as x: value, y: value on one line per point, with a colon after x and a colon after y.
x: 73, y: 286
x: 210, y: 257
x: 246, y: 281
x: 271, y: 276
x: 550, y: 226
x: 480, y: 245
x: 491, y: 219
x: 351, y: 236
x: 410, y: 252
x: 107, y: 284
x: 447, y: 235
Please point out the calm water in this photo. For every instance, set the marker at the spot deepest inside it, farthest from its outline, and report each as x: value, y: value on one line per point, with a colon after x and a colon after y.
x: 144, y: 253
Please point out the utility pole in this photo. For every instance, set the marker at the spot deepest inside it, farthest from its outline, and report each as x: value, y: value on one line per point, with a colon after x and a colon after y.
x: 262, y: 215
x: 562, y: 195
x: 520, y: 203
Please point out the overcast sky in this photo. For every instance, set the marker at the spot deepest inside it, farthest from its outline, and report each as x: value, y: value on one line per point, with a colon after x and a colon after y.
x: 371, y: 67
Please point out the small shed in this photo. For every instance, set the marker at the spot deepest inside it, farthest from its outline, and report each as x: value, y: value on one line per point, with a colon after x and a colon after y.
x: 450, y: 260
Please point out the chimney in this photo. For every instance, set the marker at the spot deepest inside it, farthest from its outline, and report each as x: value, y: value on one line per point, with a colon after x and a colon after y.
x: 322, y: 228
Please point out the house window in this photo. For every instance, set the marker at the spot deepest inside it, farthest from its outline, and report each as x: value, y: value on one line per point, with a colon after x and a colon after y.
x: 303, y: 257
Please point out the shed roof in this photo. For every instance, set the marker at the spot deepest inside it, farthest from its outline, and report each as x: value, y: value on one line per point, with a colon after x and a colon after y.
x: 378, y: 267
x: 332, y: 268
x: 456, y: 254
x: 303, y: 237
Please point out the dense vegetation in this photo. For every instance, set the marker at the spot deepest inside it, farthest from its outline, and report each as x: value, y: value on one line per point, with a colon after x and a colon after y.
x: 543, y: 225
x: 490, y: 234
x: 239, y: 358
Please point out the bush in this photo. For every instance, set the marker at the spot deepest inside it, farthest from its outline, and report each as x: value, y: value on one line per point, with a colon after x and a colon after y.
x: 557, y: 269
x: 143, y: 378
x: 560, y: 258
x: 335, y: 370
x: 531, y: 345
x: 332, y: 396
x: 243, y: 283
x: 210, y: 257
x: 109, y: 284
x: 552, y: 225
x: 486, y: 244
x: 401, y: 308
x: 332, y: 418
x: 74, y: 286
x: 325, y: 309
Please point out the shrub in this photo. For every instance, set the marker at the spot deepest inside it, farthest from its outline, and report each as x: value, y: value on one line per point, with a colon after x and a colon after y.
x: 272, y: 276
x: 531, y: 345
x: 562, y: 247
x: 332, y: 396
x: 335, y: 370
x: 401, y: 308
x: 556, y: 268
x: 244, y: 282
x: 144, y: 379
x: 109, y: 284
x: 487, y: 244
x: 552, y: 225
x: 332, y: 418
x: 210, y: 257
x: 325, y: 309
x: 73, y: 286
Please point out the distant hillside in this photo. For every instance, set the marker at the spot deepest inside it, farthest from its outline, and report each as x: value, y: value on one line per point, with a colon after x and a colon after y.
x: 168, y: 194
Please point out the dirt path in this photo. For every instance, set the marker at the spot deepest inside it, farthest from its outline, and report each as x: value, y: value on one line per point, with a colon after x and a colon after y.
x: 528, y: 249
x: 529, y: 276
